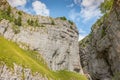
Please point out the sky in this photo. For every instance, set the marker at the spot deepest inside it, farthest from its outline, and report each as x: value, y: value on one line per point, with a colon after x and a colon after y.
x: 83, y: 13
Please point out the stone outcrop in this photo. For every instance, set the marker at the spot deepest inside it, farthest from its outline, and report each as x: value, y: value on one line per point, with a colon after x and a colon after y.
x: 4, y: 5
x: 19, y: 73
x: 100, y: 51
x: 55, y: 39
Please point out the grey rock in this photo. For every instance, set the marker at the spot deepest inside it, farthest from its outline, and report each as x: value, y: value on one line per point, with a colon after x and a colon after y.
x: 18, y: 73
x: 100, y: 57
x: 58, y: 43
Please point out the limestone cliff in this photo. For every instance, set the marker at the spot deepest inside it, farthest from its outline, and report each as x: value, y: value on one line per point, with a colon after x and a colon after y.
x: 55, y: 39
x: 100, y: 50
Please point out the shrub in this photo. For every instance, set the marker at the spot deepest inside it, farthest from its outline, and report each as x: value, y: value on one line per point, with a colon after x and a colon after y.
x: 116, y: 76
x: 16, y: 29
x: 52, y: 22
x: 71, y: 22
x: 6, y: 15
x: 30, y: 22
x: 103, y: 33
x: 36, y: 23
x: 33, y: 23
x: 18, y: 21
x: 8, y: 11
x: 19, y: 12
x: 106, y: 6
x: 63, y: 18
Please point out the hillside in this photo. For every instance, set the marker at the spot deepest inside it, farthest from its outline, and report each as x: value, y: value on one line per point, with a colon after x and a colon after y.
x: 37, y: 47
x: 16, y: 63
x: 55, y: 39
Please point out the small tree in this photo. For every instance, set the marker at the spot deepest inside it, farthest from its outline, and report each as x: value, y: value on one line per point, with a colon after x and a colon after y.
x: 63, y: 18
x: 36, y: 23
x: 52, y: 22
x: 19, y: 12
x: 8, y: 11
x: 18, y: 21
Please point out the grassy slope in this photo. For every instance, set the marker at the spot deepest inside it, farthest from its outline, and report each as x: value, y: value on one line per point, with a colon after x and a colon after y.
x: 10, y: 53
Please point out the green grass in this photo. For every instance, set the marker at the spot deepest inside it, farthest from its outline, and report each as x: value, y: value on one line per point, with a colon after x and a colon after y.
x: 67, y: 75
x: 116, y: 76
x: 10, y: 53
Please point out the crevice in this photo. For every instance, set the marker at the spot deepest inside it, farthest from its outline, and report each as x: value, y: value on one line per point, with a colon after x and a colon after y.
x: 61, y: 62
x: 5, y: 29
x: 105, y: 57
x: 54, y: 53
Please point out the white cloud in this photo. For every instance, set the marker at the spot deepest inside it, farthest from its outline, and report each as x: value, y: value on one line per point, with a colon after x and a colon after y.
x: 81, y: 37
x: 82, y: 34
x: 40, y: 8
x: 77, y: 1
x: 16, y: 3
x: 89, y: 9
x: 27, y: 10
x: 88, y: 14
x: 74, y: 15
x: 70, y: 6
x: 81, y: 31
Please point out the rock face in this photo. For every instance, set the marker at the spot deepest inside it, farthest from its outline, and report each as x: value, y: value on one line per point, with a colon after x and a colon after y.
x: 58, y: 44
x: 55, y: 39
x: 18, y: 73
x: 4, y: 4
x: 100, y: 51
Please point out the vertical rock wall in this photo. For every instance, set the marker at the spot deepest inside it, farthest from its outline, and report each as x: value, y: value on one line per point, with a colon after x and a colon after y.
x: 100, y: 51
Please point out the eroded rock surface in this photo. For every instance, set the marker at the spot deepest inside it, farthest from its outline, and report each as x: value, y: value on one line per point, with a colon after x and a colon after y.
x: 19, y: 73
x: 100, y: 51
x: 55, y: 39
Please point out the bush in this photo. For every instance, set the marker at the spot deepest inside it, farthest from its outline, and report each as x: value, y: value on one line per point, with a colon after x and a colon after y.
x: 6, y: 15
x: 71, y: 22
x: 36, y: 23
x: 52, y: 22
x: 63, y: 18
x: 16, y: 29
x: 19, y: 12
x: 33, y: 23
x: 18, y: 21
x: 116, y: 76
x: 8, y: 11
x: 103, y: 33
x: 30, y: 22
x: 106, y: 6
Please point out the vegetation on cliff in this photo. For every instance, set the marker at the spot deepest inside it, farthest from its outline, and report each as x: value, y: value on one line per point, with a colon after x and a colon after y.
x: 106, y: 6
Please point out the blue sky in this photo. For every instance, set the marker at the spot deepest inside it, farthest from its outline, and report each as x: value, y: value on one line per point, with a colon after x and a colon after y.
x: 83, y: 12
